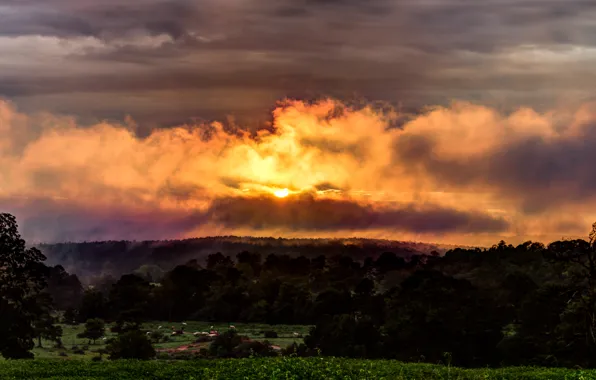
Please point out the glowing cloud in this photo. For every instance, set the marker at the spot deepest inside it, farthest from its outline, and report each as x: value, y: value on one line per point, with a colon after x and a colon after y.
x: 463, y: 173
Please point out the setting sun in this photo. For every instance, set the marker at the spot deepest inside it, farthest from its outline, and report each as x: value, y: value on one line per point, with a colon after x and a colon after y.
x: 281, y: 193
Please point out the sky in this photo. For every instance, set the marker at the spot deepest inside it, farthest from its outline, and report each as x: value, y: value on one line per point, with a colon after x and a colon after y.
x: 463, y: 122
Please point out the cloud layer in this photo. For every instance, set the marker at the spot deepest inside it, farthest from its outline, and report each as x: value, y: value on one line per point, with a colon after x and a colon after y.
x: 165, y: 61
x: 513, y: 162
x: 465, y: 173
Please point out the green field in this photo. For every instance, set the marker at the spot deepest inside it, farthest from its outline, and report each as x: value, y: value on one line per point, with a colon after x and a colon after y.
x: 70, y: 340
x: 270, y: 368
x: 48, y: 365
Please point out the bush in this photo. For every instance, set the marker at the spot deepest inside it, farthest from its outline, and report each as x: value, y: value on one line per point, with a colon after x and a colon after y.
x: 253, y: 348
x: 270, y: 334
x: 163, y: 356
x: 94, y: 329
x: 203, y: 339
x: 224, y: 344
x: 157, y: 336
x: 130, y: 345
x: 184, y: 355
x: 300, y: 350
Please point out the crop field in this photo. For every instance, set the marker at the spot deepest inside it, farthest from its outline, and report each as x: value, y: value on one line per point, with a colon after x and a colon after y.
x: 73, y: 345
x: 268, y: 368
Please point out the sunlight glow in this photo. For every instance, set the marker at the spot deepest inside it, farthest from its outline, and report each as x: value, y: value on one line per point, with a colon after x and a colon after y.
x: 281, y: 193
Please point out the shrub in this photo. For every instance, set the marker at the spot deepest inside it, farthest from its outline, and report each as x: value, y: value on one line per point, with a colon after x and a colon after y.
x: 157, y: 336
x: 270, y: 334
x: 94, y: 329
x: 130, y: 345
x: 203, y: 339
x: 224, y: 344
x: 253, y: 348
x: 300, y: 350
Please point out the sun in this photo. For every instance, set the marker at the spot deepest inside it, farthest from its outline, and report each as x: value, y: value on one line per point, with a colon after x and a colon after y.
x: 281, y: 193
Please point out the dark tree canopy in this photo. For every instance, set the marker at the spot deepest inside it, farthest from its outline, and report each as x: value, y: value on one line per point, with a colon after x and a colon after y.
x: 131, y: 344
x: 23, y: 308
x: 94, y: 329
x: 528, y: 304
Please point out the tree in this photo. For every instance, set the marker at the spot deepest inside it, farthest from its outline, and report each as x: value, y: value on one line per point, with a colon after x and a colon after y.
x: 131, y: 344
x: 250, y: 260
x: 151, y: 273
x: 224, y: 344
x: 432, y: 314
x: 129, y: 299
x: 94, y: 329
x: 581, y: 255
x: 66, y: 289
x: 217, y: 261
x: 70, y: 316
x: 45, y: 325
x: 22, y: 280
x: 93, y: 305
x: 538, y: 336
x: 182, y: 291
x: 344, y: 335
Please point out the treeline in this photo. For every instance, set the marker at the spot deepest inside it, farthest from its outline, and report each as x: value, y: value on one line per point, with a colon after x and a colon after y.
x: 91, y: 259
x: 508, y: 305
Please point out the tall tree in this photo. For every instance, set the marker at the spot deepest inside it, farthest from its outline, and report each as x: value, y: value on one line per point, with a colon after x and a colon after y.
x: 93, y: 305
x: 94, y: 329
x: 581, y: 257
x: 22, y: 280
x: 45, y: 325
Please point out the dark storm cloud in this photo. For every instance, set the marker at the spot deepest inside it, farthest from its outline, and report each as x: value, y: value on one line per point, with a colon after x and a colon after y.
x: 309, y: 213
x: 409, y: 51
x: 60, y: 221
x: 99, y: 19
x: 543, y: 174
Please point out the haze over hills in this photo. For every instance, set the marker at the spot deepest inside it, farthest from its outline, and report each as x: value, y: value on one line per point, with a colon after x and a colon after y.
x: 89, y: 259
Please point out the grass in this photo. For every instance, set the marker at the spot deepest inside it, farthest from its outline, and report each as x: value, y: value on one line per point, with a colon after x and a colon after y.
x: 270, y: 368
x: 78, y: 366
x: 69, y: 337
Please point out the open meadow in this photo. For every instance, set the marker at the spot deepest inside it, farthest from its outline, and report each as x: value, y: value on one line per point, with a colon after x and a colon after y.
x: 81, y: 348
x: 269, y: 368
x: 74, y: 361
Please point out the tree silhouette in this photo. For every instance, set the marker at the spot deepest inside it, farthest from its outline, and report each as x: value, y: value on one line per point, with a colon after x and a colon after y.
x: 581, y: 254
x: 94, y: 329
x: 131, y: 344
x: 22, y: 280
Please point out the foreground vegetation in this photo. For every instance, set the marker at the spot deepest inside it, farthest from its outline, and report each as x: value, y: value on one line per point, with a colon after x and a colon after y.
x: 270, y: 368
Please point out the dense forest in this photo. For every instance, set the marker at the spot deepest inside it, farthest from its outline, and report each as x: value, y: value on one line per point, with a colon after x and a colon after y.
x: 94, y: 259
x: 506, y: 305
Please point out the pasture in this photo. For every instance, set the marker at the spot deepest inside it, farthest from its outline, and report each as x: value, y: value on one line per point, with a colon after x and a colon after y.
x: 73, y: 344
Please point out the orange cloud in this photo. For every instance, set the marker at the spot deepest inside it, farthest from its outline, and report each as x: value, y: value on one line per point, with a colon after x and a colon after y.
x: 464, y: 174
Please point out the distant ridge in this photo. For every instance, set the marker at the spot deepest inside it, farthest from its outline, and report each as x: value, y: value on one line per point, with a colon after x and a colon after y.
x: 119, y: 257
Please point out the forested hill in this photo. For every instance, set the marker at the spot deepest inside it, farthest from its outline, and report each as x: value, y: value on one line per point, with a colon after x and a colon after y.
x: 119, y: 257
